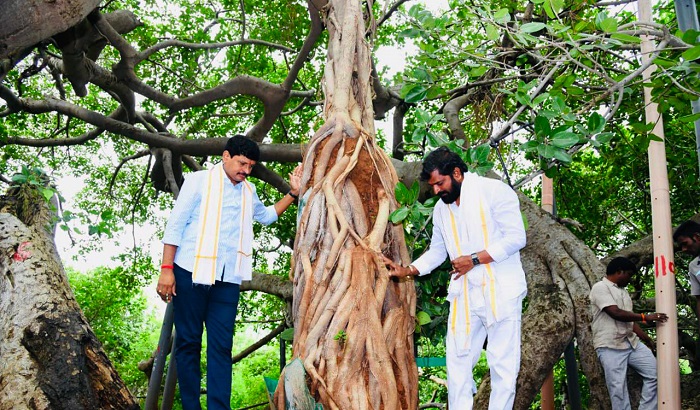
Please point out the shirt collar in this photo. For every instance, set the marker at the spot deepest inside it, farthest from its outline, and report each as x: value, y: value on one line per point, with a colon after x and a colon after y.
x: 610, y: 283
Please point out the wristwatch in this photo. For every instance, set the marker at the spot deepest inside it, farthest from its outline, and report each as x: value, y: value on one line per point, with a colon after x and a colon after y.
x: 475, y: 259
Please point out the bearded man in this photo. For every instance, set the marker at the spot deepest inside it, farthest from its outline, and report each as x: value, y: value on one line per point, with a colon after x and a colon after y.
x: 478, y: 224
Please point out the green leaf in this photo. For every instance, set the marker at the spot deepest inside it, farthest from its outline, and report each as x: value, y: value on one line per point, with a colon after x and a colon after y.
x: 410, y: 33
x: 401, y: 192
x: 542, y: 127
x: 437, y: 139
x: 608, y: 25
x: 599, y: 18
x: 690, y: 36
x: 413, y: 93
x: 552, y: 172
x: 604, y: 137
x: 430, y: 202
x: 492, y: 32
x: 558, y: 104
x: 479, y: 154
x: 287, y: 334
x: 434, y: 91
x: 47, y: 193
x: 19, y: 178
x: 532, y: 27
x: 539, y: 99
x: 418, y: 135
x: 574, y: 90
x: 626, y: 38
x: 549, y: 10
x: 546, y: 151
x: 422, y: 74
x: 502, y: 16
x: 557, y: 6
x: 530, y: 146
x: 691, y: 53
x: 478, y: 71
x: 399, y: 215
x: 414, y: 192
x: 690, y: 117
x: 596, y: 123
x: 566, y: 139
x: 423, y: 318
x: 562, y: 155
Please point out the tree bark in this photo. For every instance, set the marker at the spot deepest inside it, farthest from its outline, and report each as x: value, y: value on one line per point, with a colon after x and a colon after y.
x: 27, y: 22
x: 50, y: 356
x: 353, y: 326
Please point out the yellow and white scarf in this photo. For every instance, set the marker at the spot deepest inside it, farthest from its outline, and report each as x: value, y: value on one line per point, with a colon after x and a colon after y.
x: 210, y: 219
x: 471, y: 235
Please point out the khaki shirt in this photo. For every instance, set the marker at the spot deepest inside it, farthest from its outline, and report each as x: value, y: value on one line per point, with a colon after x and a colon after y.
x: 608, y: 332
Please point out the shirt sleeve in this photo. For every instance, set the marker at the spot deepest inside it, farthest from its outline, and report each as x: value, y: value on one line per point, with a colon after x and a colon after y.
x: 261, y: 213
x: 601, y: 297
x: 694, y: 281
x: 182, y: 212
x: 509, y: 222
x: 435, y: 255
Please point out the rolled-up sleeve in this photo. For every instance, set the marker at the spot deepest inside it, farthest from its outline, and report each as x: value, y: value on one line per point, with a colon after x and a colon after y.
x: 509, y: 221
x: 183, y: 211
x: 261, y: 213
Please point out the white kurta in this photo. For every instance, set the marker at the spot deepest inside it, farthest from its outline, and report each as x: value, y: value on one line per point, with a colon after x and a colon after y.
x: 486, y: 302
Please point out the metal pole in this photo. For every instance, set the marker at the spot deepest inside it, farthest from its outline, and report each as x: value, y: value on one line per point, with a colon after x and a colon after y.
x: 667, y: 337
x: 283, y: 354
x: 572, y: 386
x: 166, y: 331
x: 170, y: 379
x: 547, y: 390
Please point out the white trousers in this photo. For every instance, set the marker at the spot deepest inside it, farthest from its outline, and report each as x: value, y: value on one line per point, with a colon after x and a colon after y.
x: 502, y: 354
x: 615, y: 363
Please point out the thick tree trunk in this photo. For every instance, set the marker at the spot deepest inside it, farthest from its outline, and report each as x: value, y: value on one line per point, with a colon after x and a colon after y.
x: 353, y: 326
x: 27, y: 22
x: 50, y: 356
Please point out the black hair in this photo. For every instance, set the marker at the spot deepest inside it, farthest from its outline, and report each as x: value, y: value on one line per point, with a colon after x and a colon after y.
x: 687, y: 229
x: 241, y: 145
x: 620, y: 264
x: 444, y: 160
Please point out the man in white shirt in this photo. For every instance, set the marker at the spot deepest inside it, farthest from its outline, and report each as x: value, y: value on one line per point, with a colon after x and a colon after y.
x: 616, y: 336
x: 687, y: 236
x: 207, y: 252
x: 478, y: 225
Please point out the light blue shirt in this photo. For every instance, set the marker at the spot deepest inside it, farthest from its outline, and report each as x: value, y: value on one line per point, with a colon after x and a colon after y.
x: 183, y: 224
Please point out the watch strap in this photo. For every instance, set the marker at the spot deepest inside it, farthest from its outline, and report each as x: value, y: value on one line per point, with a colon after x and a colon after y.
x: 475, y: 259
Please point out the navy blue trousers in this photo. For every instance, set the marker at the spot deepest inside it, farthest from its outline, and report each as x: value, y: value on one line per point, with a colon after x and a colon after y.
x: 196, y: 306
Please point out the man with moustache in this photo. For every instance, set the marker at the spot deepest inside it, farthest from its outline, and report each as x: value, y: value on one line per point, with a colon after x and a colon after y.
x: 207, y: 253
x: 616, y: 336
x: 478, y: 225
x: 687, y: 236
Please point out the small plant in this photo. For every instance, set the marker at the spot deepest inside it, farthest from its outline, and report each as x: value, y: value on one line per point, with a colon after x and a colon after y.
x: 36, y: 178
x: 341, y: 337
